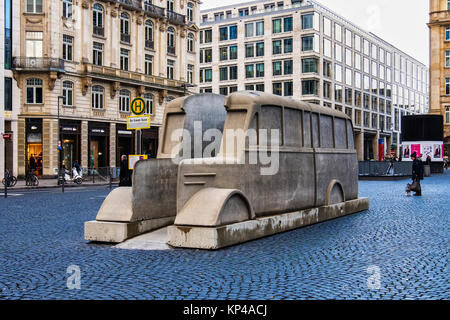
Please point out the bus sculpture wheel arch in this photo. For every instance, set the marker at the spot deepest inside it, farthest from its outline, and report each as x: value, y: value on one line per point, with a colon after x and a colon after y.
x: 221, y: 198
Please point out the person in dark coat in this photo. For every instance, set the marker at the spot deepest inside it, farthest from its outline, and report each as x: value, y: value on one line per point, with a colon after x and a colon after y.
x: 77, y: 167
x: 125, y: 173
x: 417, y: 173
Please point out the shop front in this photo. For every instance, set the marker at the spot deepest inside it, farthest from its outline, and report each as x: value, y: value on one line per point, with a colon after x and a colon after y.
x: 34, y: 146
x: 98, y: 145
x: 70, y: 137
x: 150, y: 142
x: 125, y: 142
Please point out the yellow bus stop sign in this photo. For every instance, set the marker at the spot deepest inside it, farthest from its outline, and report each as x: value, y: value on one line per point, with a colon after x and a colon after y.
x: 138, y: 106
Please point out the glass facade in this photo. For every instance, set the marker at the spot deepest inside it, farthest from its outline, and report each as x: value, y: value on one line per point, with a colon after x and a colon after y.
x: 372, y: 82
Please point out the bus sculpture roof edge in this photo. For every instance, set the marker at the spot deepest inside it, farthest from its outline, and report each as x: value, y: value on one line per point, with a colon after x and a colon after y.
x: 295, y: 166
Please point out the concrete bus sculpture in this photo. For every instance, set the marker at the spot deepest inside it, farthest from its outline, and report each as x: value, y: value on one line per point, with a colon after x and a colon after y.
x: 225, y: 200
x: 151, y: 202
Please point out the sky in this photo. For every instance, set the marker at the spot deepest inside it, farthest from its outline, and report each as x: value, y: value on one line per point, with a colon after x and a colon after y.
x: 402, y: 23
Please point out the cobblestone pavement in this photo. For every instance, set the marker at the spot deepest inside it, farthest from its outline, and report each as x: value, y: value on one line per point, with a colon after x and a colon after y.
x: 41, y: 235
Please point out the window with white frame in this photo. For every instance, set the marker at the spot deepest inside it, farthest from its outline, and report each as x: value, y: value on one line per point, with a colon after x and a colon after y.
x: 67, y: 93
x: 97, y: 54
x: 149, y: 34
x: 124, y: 101
x: 170, y: 5
x: 447, y: 115
x: 33, y: 44
x: 97, y: 97
x: 447, y: 58
x: 148, y: 64
x: 125, y: 27
x: 190, y: 43
x: 170, y: 69
x: 148, y: 98
x: 447, y: 86
x: 67, y: 9
x: 190, y: 73
x: 34, y: 91
x: 34, y: 6
x: 124, y: 59
x: 190, y: 12
x: 67, y: 47
x: 97, y: 17
x: 171, y: 40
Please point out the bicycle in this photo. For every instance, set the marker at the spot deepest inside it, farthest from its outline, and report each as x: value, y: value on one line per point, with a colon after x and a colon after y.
x: 31, y: 179
x: 9, y: 179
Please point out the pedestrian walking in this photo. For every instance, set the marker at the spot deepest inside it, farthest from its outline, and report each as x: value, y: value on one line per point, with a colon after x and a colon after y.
x: 417, y: 176
x: 125, y: 173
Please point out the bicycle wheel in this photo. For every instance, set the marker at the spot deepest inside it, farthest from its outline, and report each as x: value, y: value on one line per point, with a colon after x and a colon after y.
x: 35, y: 181
x: 3, y: 181
x: 13, y: 181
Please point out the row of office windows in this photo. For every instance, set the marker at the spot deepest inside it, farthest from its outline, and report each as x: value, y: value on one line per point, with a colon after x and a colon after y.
x: 34, y: 95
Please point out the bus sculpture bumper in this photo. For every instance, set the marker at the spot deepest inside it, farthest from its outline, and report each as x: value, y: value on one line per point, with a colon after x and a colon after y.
x: 225, y: 200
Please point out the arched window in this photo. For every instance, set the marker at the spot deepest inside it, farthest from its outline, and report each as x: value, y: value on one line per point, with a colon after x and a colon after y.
x: 125, y: 27
x: 98, y: 20
x: 67, y: 93
x: 149, y: 34
x: 148, y: 97
x: 171, y: 40
x: 97, y: 97
x: 190, y: 12
x: 34, y: 91
x: 124, y: 101
x: 190, y: 44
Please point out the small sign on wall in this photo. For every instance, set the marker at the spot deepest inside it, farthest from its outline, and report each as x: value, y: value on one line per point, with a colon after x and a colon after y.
x: 133, y: 159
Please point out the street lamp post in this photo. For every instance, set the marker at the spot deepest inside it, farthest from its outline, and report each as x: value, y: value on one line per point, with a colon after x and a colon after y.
x: 60, y: 173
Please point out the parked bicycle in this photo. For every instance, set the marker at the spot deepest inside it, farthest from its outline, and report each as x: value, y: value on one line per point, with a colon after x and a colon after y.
x: 9, y: 179
x: 31, y: 180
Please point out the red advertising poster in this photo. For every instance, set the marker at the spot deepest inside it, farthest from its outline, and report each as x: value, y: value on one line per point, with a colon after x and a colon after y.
x: 415, y: 148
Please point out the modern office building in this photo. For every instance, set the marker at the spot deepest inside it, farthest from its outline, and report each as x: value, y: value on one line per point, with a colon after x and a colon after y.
x: 8, y: 89
x: 302, y: 49
x: 440, y: 64
x: 89, y: 59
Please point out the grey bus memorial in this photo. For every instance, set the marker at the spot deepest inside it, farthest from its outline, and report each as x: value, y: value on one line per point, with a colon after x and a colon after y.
x: 235, y: 169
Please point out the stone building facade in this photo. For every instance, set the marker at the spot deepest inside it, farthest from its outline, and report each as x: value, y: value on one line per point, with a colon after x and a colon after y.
x: 300, y: 48
x: 92, y: 58
x: 9, y: 92
x: 440, y: 64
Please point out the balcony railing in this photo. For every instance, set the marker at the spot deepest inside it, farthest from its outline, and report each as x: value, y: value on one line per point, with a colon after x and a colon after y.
x: 125, y: 37
x: 149, y: 44
x: 35, y: 64
x: 99, y: 31
x: 131, y: 3
x: 153, y: 10
x: 170, y: 49
x: 176, y: 18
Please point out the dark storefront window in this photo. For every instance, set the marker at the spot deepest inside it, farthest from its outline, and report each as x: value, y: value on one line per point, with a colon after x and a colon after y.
x: 70, y: 137
x: 33, y: 148
x: 98, y: 145
x: 125, y: 143
x: 8, y: 94
x: 150, y: 142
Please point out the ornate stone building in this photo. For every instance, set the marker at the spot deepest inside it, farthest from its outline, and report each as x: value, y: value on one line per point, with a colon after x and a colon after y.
x: 440, y: 64
x: 89, y: 59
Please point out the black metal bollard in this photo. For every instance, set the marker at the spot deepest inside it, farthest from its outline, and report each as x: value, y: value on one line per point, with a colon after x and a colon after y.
x: 6, y: 185
x: 110, y: 178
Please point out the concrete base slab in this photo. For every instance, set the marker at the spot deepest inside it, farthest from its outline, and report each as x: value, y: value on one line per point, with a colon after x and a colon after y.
x: 155, y: 240
x: 224, y: 236
x: 117, y: 232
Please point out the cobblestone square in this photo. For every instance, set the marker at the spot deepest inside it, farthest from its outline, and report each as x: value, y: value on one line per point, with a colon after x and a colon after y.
x: 405, y: 239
